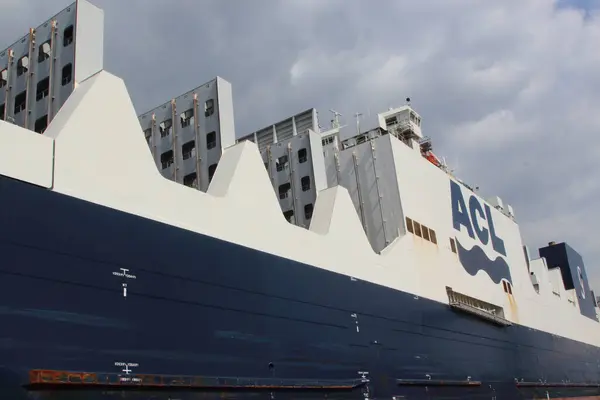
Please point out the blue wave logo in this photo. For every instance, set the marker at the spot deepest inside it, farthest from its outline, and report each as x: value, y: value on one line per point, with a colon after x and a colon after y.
x: 475, y: 260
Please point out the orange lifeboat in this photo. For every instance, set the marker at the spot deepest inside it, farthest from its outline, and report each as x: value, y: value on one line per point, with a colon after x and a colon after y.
x: 433, y: 159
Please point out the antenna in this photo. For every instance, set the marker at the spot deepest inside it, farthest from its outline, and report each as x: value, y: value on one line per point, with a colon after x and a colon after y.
x: 357, y: 116
x: 456, y: 166
x: 408, y: 101
x: 335, y: 122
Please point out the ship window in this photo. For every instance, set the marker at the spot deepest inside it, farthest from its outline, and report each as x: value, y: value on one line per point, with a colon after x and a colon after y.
x: 211, y: 171
x: 302, y: 156
x: 305, y: 182
x: 187, y: 118
x: 166, y: 159
x: 20, y: 101
x: 188, y: 150
x: 209, y: 107
x: 2, y: 111
x: 68, y: 36
x: 409, y: 225
x: 41, y: 124
x: 432, y: 236
x: 327, y: 140
x: 308, y: 211
x: 507, y: 286
x: 44, y: 52
x: 148, y: 134
x: 417, y: 228
x: 190, y: 180
x: 22, y: 65
x: 211, y: 140
x: 3, y: 77
x: 289, y: 216
x: 284, y: 190
x: 67, y: 74
x: 453, y: 245
x: 425, y: 232
x: 281, y: 163
x: 165, y: 127
x: 267, y: 166
x: 43, y: 87
x: 361, y: 139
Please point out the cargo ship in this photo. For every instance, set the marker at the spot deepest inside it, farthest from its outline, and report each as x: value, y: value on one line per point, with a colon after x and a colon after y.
x: 162, y: 256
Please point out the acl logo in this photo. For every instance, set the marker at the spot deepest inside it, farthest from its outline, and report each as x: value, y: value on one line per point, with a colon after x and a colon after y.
x: 474, y: 219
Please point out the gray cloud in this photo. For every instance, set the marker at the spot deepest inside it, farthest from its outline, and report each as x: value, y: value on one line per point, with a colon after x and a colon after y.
x: 508, y: 90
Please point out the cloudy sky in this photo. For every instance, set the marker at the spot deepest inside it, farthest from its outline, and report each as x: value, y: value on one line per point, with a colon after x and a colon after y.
x: 509, y: 90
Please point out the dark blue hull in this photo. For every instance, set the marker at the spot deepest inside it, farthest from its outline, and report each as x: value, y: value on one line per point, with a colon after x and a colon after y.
x: 202, y: 307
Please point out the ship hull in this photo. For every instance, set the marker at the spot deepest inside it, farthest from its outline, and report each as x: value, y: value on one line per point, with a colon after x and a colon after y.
x: 91, y: 289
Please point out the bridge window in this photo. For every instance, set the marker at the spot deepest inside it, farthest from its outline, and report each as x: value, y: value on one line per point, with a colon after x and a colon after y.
x: 421, y: 230
x: 43, y: 88
x: 284, y: 190
x: 44, y: 52
x: 165, y: 127
x: 187, y: 118
x: 308, y: 211
x: 453, y: 245
x: 305, y: 182
x: 281, y: 163
x: 417, y: 228
x: 211, y: 171
x: 209, y: 107
x: 20, y: 102
x: 425, y: 232
x: 3, y: 77
x: 302, y: 157
x: 211, y: 140
x: 67, y: 74
x: 327, y: 140
x: 432, y: 236
x: 166, y: 159
x: 507, y: 286
x: 409, y: 225
x: 289, y: 216
x: 41, y: 124
x: 190, y: 180
x: 188, y: 150
x: 68, y: 34
x: 22, y: 65
x: 391, y: 121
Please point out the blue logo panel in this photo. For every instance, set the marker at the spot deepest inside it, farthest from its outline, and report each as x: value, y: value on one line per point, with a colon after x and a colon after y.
x: 477, y: 221
x: 469, y: 219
